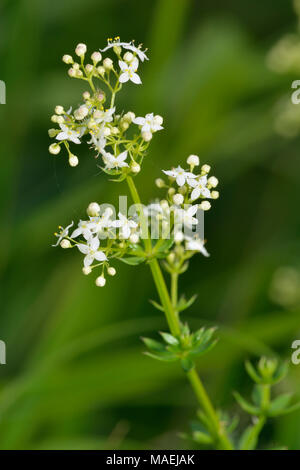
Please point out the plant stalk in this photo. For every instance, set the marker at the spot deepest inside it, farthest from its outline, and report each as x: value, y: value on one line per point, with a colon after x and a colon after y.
x: 174, y: 325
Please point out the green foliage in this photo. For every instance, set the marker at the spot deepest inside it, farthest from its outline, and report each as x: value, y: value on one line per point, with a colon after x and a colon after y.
x: 184, y: 348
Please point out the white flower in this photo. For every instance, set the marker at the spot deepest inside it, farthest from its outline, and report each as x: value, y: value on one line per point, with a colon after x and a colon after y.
x: 195, y: 244
x: 149, y: 123
x: 91, y: 251
x: 129, y: 72
x: 180, y: 175
x: 84, y: 228
x: 114, y: 162
x: 102, y: 222
x: 127, y: 45
x: 200, y: 188
x: 104, y: 116
x: 186, y: 216
x: 125, y: 225
x: 63, y: 232
x: 98, y: 139
x: 68, y: 134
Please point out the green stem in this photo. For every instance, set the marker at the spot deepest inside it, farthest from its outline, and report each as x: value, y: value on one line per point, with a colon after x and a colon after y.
x: 174, y: 289
x: 174, y: 325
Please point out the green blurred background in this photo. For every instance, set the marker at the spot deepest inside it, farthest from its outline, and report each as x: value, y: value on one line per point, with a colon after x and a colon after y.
x: 75, y: 376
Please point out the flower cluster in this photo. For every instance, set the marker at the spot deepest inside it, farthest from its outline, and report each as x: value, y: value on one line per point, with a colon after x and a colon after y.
x: 96, y: 121
x: 170, y: 224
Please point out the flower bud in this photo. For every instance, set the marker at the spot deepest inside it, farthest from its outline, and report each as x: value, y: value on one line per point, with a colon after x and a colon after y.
x: 135, y: 167
x: 129, y: 117
x: 114, y: 130
x: 52, y: 132
x: 54, y: 149
x: 86, y: 270
x: 178, y: 199
x: 205, y: 169
x: 205, y: 205
x: 158, y: 120
x: 171, y: 258
x: 89, y: 68
x: 128, y: 57
x: 81, y: 112
x: 59, y: 109
x: 67, y: 59
x: 108, y: 63
x: 65, y: 244
x: 147, y: 136
x: 54, y: 118
x: 124, y: 125
x: 96, y: 57
x: 178, y: 237
x: 111, y: 271
x: 101, y: 70
x: 72, y: 72
x: 134, y: 238
x: 213, y: 181
x: 160, y: 183
x: 100, y: 281
x: 93, y: 209
x: 60, y: 120
x: 171, y: 191
x: 86, y: 95
x: 193, y: 160
x: 117, y: 50
x: 214, y: 194
x: 73, y: 160
x: 80, y: 49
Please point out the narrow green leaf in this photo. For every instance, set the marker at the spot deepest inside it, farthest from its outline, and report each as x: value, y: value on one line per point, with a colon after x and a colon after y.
x: 183, y: 304
x: 156, y: 305
x: 132, y: 261
x: 280, y: 403
x: 202, y: 437
x: 252, y: 372
x: 245, y: 405
x: 153, y: 345
x: 163, y: 356
x: 249, y: 439
x: 170, y: 339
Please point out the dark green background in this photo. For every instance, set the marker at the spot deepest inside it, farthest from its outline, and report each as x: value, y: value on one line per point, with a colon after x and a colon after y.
x: 75, y: 374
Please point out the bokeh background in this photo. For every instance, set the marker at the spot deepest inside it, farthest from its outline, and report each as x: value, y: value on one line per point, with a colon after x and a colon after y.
x: 75, y: 376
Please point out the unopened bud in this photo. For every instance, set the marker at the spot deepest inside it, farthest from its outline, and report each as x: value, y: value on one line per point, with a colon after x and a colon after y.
x: 178, y: 199
x: 96, y: 57
x: 111, y: 271
x: 73, y: 160
x: 54, y: 149
x: 93, y: 209
x: 100, y: 281
x: 160, y: 183
x: 108, y: 64
x: 80, y: 49
x: 193, y: 160
x: 205, y: 205
x: 135, y: 167
x: 86, y: 270
x: 147, y: 136
x: 67, y: 59
x: 65, y: 244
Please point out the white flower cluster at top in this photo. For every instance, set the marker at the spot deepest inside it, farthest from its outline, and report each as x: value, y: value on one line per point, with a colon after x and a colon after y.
x: 171, y: 223
x: 98, y: 121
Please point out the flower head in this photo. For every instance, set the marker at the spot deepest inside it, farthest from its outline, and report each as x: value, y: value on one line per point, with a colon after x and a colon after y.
x: 114, y: 162
x: 149, y: 123
x: 126, y: 45
x: 180, y: 175
x: 68, y: 134
x: 91, y: 252
x: 129, y: 72
x: 125, y: 225
x: 63, y: 232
